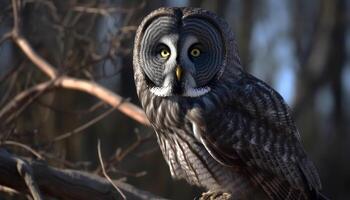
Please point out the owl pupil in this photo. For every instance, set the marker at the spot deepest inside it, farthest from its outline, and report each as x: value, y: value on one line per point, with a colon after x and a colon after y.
x: 195, y: 52
x: 164, y: 53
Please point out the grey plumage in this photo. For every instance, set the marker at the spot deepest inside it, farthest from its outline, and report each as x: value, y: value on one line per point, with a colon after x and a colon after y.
x: 217, y: 126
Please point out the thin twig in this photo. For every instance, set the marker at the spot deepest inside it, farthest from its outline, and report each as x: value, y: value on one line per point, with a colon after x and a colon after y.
x: 11, y: 72
x: 26, y: 103
x: 81, y: 112
x: 26, y: 147
x: 9, y: 190
x: 102, y: 11
x: 52, y: 10
x: 5, y: 37
x: 129, y: 174
x: 21, y: 100
x: 65, y: 163
x: 140, y: 140
x: 104, y: 171
x: 6, y: 95
x: 15, y: 5
x: 84, y: 126
x: 121, y: 154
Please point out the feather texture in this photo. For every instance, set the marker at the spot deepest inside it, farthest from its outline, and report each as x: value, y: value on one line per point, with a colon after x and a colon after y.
x: 237, y: 137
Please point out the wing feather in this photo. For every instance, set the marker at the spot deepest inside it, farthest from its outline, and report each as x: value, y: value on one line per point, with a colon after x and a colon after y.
x: 259, y: 134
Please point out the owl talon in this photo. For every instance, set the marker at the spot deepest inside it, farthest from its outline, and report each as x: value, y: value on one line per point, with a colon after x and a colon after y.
x: 216, y: 195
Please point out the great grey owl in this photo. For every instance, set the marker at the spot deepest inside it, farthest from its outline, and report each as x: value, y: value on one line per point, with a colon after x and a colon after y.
x: 218, y: 127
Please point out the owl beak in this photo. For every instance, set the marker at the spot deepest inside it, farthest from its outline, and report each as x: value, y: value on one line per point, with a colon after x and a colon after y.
x: 178, y: 72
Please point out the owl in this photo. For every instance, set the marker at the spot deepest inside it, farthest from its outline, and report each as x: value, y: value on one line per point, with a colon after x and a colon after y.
x: 217, y: 126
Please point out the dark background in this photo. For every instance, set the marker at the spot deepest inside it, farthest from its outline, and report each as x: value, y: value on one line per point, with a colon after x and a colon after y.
x: 301, y: 48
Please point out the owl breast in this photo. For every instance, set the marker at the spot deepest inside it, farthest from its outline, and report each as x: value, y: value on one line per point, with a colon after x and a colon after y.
x: 186, y: 157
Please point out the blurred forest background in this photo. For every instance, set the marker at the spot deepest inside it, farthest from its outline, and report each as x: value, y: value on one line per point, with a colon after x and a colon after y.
x: 301, y: 48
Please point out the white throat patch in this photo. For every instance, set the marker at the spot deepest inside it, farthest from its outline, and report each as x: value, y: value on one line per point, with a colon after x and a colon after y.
x: 189, y: 92
x: 196, y: 92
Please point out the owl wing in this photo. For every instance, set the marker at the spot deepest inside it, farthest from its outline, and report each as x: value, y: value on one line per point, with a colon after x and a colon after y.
x: 254, y: 130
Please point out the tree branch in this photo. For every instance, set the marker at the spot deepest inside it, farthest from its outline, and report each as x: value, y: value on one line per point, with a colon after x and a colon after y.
x: 8, y: 112
x: 64, y: 184
x: 105, y: 95
x: 39, y: 62
x: 89, y: 87
x: 27, y: 173
x: 104, y: 171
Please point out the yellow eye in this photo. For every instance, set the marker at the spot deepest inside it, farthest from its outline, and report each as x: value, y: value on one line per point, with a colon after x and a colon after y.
x: 195, y: 52
x: 164, y: 53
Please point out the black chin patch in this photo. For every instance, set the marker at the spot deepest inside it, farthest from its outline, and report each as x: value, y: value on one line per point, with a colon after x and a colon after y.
x: 178, y: 87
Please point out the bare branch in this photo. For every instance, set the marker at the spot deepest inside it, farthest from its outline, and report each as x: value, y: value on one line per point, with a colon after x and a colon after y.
x: 26, y: 48
x: 16, y: 22
x: 12, y: 72
x: 82, y: 85
x: 71, y: 83
x: 44, y: 66
x: 65, y: 184
x: 23, y: 146
x: 27, y: 173
x: 5, y: 37
x: 105, y: 95
x: 21, y: 100
x: 81, y: 112
x: 8, y: 190
x: 104, y: 171
x: 106, y: 11
x: 84, y: 126
x: 121, y: 154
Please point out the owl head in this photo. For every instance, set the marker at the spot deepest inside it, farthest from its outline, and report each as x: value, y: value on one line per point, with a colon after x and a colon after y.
x: 183, y: 51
